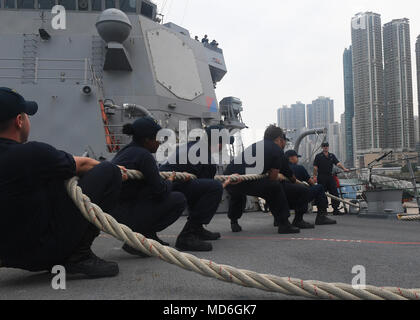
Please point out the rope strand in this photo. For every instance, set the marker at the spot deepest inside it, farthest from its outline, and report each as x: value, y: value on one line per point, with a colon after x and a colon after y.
x: 207, y: 268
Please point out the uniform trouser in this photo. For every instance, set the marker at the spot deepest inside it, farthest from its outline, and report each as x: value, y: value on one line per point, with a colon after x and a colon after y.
x: 329, y: 184
x: 298, y: 197
x: 148, y: 215
x: 102, y: 185
x: 70, y: 235
x: 203, y: 198
x: 317, y: 193
x: 272, y: 191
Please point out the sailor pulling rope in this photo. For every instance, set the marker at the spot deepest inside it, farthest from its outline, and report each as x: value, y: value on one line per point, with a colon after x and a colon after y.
x: 246, y: 278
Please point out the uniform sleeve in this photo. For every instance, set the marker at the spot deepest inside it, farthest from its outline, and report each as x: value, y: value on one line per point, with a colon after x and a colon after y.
x: 335, y: 160
x: 305, y: 174
x: 158, y: 187
x: 316, y: 162
x: 50, y: 162
x: 285, y: 168
x: 277, y: 158
x: 283, y: 165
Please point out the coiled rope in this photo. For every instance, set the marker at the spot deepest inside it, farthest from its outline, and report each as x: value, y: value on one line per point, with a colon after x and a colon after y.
x: 246, y: 278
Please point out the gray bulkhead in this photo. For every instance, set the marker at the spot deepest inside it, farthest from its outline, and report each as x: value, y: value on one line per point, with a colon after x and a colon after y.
x: 53, y: 72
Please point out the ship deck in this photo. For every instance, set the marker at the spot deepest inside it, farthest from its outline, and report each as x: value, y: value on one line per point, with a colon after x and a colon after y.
x: 388, y: 249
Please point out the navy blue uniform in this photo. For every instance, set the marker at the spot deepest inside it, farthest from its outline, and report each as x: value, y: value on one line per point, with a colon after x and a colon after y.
x: 40, y: 225
x: 298, y: 196
x: 325, y: 178
x: 204, y: 194
x: 272, y: 191
x: 149, y: 205
x: 317, y: 192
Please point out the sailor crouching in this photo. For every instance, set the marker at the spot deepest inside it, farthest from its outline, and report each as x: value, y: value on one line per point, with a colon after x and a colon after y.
x: 203, y: 195
x: 40, y: 225
x: 270, y: 157
x: 317, y: 191
x: 150, y: 205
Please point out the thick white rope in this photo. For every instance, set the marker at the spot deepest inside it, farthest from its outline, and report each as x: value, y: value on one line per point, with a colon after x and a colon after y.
x: 246, y: 278
x: 351, y: 204
x: 415, y: 217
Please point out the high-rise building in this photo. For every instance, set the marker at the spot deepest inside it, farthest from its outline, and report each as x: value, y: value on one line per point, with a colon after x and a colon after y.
x: 349, y: 106
x: 299, y: 115
x: 334, y: 135
x: 368, y: 84
x: 320, y: 113
x: 418, y: 71
x: 284, y: 117
x: 293, y: 119
x: 417, y: 129
x: 343, y: 141
x: 399, y: 115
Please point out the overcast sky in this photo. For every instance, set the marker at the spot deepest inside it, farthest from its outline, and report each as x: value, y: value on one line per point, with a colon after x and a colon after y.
x: 282, y: 51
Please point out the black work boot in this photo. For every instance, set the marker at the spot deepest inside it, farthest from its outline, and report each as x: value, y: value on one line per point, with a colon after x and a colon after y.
x: 276, y: 222
x: 154, y: 236
x: 234, y: 225
x: 286, y: 227
x: 337, y: 212
x: 134, y: 252
x: 300, y: 223
x: 322, y: 219
x: 84, y: 261
x: 206, y: 235
x: 303, y: 225
x: 189, y: 241
x: 92, y: 266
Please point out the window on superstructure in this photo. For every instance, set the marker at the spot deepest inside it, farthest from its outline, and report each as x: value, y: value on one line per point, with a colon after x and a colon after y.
x: 146, y: 10
x: 46, y: 4
x: 68, y: 4
x: 26, y: 4
x: 83, y: 5
x: 9, y: 4
x: 109, y: 4
x: 96, y: 5
x: 128, y: 5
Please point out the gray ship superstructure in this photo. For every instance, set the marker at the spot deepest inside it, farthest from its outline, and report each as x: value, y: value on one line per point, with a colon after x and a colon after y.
x: 106, y: 68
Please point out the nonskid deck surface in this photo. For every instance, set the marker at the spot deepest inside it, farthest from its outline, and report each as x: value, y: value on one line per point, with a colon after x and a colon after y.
x: 388, y: 249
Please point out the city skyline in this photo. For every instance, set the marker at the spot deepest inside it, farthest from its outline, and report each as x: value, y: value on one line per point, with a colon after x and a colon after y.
x: 378, y: 91
x: 270, y: 64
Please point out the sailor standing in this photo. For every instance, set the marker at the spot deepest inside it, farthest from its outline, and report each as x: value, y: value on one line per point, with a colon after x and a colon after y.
x: 323, y: 166
x: 40, y: 225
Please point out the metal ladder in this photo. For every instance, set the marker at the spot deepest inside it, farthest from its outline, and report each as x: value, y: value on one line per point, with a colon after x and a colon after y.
x: 30, y: 59
x: 98, y: 53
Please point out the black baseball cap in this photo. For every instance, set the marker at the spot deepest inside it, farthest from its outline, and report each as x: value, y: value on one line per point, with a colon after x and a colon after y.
x: 12, y: 104
x: 292, y: 153
x: 325, y: 144
x: 146, y: 127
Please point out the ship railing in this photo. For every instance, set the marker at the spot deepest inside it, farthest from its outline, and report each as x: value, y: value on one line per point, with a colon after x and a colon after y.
x: 35, y: 69
x: 213, y: 48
